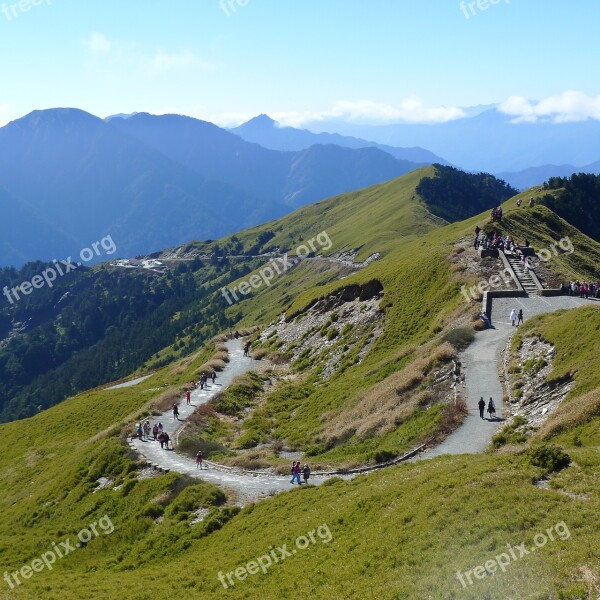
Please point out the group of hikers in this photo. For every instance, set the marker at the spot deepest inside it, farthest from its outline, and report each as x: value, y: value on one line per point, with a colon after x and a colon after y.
x: 497, y: 214
x: 497, y: 241
x: 144, y: 431
x: 583, y: 289
x: 491, y: 408
x: 297, y: 469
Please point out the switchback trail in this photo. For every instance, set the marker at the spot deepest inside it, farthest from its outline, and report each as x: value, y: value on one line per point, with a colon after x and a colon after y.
x: 247, y: 486
x: 474, y: 435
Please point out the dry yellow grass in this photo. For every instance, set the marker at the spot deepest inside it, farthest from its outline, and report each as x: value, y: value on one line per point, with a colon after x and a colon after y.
x: 571, y: 414
x: 214, y: 364
x: 381, y: 408
x: 223, y: 356
x: 166, y: 400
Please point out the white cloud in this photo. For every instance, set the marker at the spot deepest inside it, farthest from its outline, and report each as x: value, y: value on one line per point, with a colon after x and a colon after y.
x: 98, y: 44
x: 570, y: 106
x: 410, y: 110
x: 184, y: 59
x: 126, y: 57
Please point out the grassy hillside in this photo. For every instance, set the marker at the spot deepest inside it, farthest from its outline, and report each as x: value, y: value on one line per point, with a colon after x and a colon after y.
x: 401, y: 533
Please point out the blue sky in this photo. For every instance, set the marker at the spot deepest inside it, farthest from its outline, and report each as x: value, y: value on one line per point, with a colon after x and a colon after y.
x: 369, y: 60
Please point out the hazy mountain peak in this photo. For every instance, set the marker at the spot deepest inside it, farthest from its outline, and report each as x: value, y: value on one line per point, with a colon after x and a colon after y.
x: 262, y: 121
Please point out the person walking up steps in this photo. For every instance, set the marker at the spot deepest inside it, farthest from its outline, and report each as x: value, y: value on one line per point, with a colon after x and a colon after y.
x: 296, y: 472
x: 491, y: 408
x: 481, y: 406
x: 513, y: 316
x: 520, y: 317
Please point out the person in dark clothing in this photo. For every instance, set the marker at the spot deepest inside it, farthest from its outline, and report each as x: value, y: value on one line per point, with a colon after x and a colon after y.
x: 481, y: 406
x: 306, y: 473
x: 520, y: 317
x: 491, y: 408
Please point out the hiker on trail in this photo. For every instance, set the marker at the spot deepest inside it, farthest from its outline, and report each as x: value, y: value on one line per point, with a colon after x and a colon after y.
x: 519, y: 201
x: 147, y: 430
x: 139, y: 431
x: 531, y: 203
x: 161, y: 439
x: 486, y: 320
x: 306, y: 473
x: 175, y: 412
x: 246, y: 348
x: 513, y: 316
x: 155, y: 431
x: 296, y: 472
x: 520, y: 317
x: 491, y: 408
x: 236, y: 335
x: 160, y: 427
x: 199, y: 459
x: 481, y: 406
x: 214, y: 376
x: 188, y: 397
x: 476, y: 242
x: 166, y: 440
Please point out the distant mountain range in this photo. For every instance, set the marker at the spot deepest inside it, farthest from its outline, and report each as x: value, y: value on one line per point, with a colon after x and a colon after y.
x: 538, y: 175
x: 268, y: 133
x: 68, y: 178
x: 487, y: 141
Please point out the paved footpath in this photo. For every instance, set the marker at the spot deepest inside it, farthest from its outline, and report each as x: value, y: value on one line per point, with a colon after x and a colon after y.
x: 480, y: 362
x: 247, y: 486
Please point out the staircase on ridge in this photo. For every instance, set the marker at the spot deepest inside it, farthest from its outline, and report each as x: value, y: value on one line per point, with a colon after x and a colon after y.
x: 523, y: 275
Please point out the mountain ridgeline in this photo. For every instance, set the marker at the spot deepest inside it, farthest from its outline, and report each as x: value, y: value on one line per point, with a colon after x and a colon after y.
x: 102, y: 323
x: 68, y: 178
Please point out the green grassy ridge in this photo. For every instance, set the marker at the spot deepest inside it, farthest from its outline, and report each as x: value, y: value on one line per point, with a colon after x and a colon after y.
x: 425, y: 522
x: 372, y: 219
